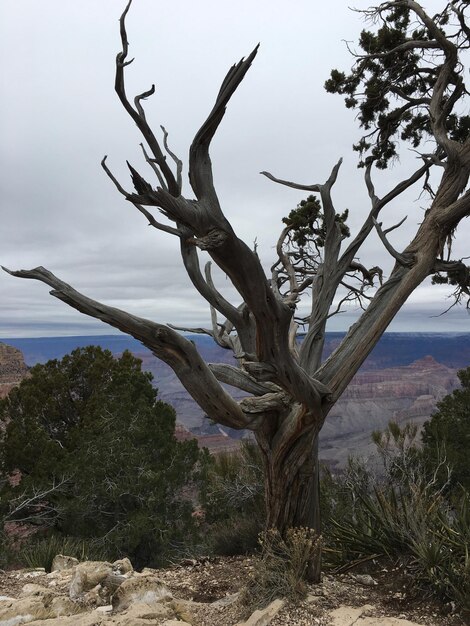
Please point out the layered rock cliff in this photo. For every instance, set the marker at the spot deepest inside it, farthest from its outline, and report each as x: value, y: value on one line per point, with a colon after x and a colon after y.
x: 402, y: 394
x: 12, y: 368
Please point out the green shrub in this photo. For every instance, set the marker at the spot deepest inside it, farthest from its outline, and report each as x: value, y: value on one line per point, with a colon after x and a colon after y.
x: 98, y: 456
x: 237, y: 535
x: 232, y: 497
x: 448, y: 433
x: 233, y: 484
x: 403, y: 514
x: 6, y: 551
x: 41, y: 552
x: 280, y: 570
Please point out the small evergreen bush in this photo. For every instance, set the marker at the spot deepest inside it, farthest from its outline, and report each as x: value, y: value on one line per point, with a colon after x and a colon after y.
x: 233, y: 500
x: 98, y: 457
x: 237, y: 535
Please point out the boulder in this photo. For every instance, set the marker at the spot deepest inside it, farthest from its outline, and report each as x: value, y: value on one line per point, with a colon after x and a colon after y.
x: 141, y: 588
x: 136, y: 615
x: 60, y: 579
x: 23, y: 610
x: 184, y: 609
x: 30, y: 589
x: 40, y: 606
x: 348, y: 615
x: 113, y: 581
x: 123, y: 566
x: 143, y: 614
x: 262, y: 617
x: 62, y: 562
x: 88, y: 575
x: 34, y: 573
x: 86, y: 619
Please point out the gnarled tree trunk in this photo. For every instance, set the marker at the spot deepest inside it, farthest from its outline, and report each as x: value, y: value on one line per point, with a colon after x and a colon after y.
x: 292, y: 491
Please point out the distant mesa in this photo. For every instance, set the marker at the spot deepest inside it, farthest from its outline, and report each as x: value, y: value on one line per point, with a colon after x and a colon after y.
x: 426, y: 362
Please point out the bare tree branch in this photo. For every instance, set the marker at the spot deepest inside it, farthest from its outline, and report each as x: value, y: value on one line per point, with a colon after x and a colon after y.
x: 200, y: 167
x: 157, y: 172
x: 288, y: 183
x: 179, y: 353
x: 34, y: 507
x: 236, y: 377
x: 212, y: 296
x: 178, y: 162
x: 401, y: 258
x: 138, y: 115
x: 377, y: 205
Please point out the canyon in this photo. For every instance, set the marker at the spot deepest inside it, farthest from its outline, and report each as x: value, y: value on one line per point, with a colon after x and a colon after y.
x: 402, y: 380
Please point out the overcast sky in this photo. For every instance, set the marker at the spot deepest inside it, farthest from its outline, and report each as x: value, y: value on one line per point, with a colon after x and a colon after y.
x: 59, y: 115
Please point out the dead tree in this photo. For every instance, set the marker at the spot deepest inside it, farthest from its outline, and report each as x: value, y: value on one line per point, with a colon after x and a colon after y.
x: 408, y: 85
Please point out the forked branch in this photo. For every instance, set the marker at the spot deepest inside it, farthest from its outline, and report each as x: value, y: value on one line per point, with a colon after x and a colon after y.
x: 169, y: 346
x: 403, y: 259
x: 200, y: 166
x: 137, y: 114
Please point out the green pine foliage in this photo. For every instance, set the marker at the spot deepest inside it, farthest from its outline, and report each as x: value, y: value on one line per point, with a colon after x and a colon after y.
x: 447, y: 435
x: 89, y: 432
x: 307, y: 222
x: 390, y: 85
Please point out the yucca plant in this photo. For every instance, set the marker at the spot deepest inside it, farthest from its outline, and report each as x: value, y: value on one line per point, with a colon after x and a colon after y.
x: 41, y: 553
x: 404, y: 515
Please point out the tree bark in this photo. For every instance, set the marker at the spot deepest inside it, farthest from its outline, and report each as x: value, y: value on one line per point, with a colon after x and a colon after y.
x: 292, y: 491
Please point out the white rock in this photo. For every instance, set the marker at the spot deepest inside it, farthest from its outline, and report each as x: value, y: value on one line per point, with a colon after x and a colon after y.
x: 365, y: 579
x: 87, y: 575
x: 31, y: 589
x: 17, y: 620
x: 62, y: 561
x: 262, y: 617
x: 105, y: 609
x: 33, y: 574
x: 123, y: 566
x: 148, y: 589
x: 348, y: 615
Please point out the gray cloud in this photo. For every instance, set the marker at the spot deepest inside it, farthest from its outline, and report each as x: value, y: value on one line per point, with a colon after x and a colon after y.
x: 60, y: 115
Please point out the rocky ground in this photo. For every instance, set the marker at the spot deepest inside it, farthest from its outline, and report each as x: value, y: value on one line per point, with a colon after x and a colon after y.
x: 205, y: 593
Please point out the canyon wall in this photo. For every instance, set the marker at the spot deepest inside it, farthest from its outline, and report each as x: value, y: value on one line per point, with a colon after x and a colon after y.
x: 12, y: 368
x: 399, y: 381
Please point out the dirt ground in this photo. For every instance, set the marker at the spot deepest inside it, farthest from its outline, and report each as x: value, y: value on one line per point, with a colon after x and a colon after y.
x: 205, y: 581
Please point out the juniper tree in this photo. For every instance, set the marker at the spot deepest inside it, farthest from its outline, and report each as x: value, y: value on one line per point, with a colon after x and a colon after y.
x: 97, y: 455
x: 407, y: 85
